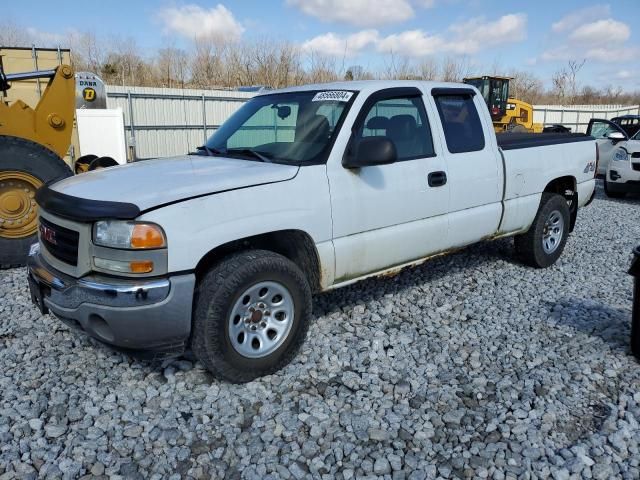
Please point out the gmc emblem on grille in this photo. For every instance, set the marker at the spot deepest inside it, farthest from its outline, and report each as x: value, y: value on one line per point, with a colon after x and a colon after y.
x: 48, y: 234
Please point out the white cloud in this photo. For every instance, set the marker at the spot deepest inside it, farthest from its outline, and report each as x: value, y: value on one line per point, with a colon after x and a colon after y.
x: 468, y: 38
x: 48, y: 39
x: 608, y: 30
x: 564, y: 53
x: 362, y: 13
x: 463, y: 38
x: 585, y: 34
x: 579, y: 17
x: 477, y: 33
x: 412, y: 43
x: 557, y: 53
x: 193, y: 21
x: 612, y: 55
x: 341, y: 45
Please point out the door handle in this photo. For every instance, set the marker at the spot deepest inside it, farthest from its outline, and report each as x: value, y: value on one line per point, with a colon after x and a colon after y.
x: 437, y: 179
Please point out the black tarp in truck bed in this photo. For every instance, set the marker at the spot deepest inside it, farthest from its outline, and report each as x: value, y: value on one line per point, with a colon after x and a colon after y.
x: 512, y: 141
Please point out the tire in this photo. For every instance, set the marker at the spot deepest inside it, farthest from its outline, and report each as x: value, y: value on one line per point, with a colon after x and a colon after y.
x: 82, y: 164
x: 516, y: 128
x: 21, y: 157
x: 222, y: 314
x: 531, y: 246
x: 612, y: 194
x: 102, y: 162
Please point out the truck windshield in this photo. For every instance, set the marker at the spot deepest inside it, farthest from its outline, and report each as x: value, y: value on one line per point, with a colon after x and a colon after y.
x: 294, y: 128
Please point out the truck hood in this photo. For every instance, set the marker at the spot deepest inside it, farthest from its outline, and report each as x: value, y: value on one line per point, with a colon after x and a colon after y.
x: 150, y: 183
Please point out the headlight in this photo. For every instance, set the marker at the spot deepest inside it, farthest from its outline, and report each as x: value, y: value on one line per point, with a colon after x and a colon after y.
x: 128, y: 235
x: 621, y: 155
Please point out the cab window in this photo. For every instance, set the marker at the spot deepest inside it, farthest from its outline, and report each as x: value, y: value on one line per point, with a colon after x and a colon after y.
x: 403, y: 121
x: 460, y: 122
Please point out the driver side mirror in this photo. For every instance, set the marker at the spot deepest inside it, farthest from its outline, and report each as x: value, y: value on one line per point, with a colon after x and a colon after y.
x: 370, y: 151
x: 616, y: 137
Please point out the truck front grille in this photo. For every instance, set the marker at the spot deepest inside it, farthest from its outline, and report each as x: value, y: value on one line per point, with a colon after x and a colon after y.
x: 60, y: 242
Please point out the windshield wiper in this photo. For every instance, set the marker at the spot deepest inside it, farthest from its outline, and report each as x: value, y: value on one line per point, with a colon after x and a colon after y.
x: 247, y: 151
x: 211, y: 152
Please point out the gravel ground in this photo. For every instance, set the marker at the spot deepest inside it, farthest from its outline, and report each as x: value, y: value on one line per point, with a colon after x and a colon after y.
x: 468, y: 366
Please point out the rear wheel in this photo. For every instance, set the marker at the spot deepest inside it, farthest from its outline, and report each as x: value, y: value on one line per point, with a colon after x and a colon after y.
x: 24, y: 167
x: 544, y: 242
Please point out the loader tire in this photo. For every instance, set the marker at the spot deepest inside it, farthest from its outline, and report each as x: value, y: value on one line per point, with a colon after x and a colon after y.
x: 102, y: 162
x: 24, y: 167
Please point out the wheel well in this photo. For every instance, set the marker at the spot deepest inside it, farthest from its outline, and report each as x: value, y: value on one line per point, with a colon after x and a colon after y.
x: 561, y: 185
x: 295, y: 245
x: 566, y: 186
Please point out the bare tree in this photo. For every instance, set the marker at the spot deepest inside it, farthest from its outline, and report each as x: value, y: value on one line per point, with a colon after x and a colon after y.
x: 454, y: 69
x: 322, y: 68
x: 216, y: 63
x: 525, y: 86
x: 428, y: 69
x: 172, y: 67
x: 87, y: 51
x: 565, y: 82
x: 14, y: 35
x: 207, y: 64
x: 399, y: 68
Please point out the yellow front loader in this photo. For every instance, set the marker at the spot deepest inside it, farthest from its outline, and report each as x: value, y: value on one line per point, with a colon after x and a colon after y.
x: 508, y: 114
x: 33, y: 142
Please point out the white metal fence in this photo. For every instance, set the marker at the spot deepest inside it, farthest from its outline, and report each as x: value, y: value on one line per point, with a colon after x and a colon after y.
x: 161, y: 122
x: 577, y: 116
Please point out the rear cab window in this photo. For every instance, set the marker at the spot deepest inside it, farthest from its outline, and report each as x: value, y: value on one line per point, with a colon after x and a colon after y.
x: 461, y: 123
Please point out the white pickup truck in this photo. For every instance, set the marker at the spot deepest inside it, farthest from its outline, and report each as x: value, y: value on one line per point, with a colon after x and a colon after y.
x: 302, y: 190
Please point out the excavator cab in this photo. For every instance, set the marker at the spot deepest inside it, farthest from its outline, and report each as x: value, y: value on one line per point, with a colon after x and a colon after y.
x: 495, y: 91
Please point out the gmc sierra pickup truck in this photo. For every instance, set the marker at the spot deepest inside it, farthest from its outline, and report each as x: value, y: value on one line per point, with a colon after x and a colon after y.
x: 302, y: 190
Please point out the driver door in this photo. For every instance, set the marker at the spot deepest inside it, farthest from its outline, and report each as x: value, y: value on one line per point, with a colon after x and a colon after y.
x: 388, y: 215
x: 600, y: 129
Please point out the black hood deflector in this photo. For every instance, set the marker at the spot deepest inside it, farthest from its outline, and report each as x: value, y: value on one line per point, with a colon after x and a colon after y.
x: 83, y: 209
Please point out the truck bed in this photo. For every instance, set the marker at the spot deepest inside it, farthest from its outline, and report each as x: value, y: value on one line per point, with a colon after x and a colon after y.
x: 513, y: 141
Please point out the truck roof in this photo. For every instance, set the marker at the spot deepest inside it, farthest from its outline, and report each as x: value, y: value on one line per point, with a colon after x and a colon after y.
x: 367, y: 86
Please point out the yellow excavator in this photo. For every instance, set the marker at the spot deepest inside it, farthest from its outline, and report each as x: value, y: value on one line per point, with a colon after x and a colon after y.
x: 508, y: 114
x: 34, y: 140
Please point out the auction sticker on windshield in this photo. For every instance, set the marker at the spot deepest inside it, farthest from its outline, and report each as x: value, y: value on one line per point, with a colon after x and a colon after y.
x: 336, y: 95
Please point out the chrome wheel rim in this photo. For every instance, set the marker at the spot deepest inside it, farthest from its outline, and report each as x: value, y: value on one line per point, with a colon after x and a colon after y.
x: 261, y: 319
x: 552, y: 232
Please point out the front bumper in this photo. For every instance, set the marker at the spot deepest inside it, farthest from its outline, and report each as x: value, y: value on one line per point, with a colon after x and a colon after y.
x: 623, y: 177
x: 146, y: 315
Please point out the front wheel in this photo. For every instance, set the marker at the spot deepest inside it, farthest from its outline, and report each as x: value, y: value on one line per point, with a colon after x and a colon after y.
x: 544, y: 242
x: 251, y: 315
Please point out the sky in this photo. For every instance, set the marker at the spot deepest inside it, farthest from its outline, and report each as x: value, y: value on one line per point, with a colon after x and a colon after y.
x: 539, y: 36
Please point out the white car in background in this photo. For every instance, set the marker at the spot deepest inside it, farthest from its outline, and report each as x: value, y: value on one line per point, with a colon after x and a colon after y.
x: 619, y: 157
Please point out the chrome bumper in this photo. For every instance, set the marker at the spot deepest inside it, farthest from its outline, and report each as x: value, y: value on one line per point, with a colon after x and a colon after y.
x: 140, y: 314
x: 69, y: 292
